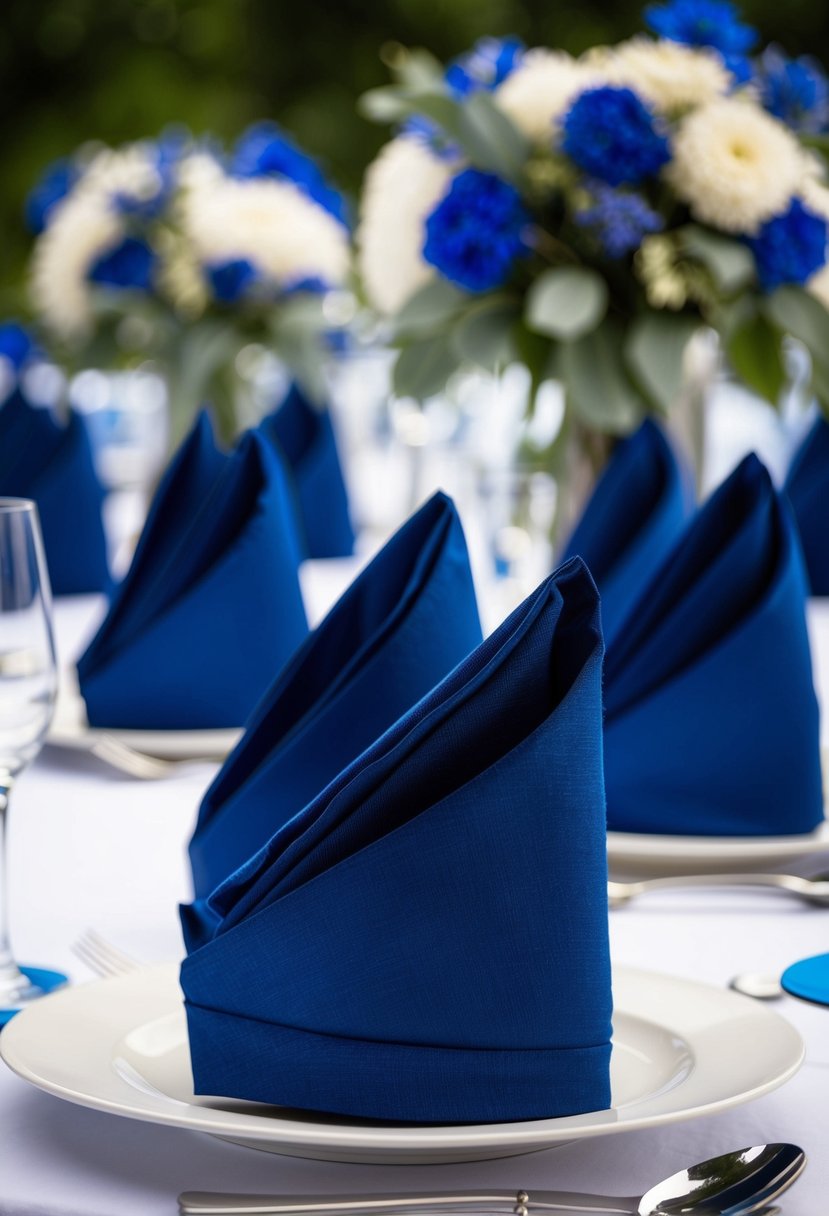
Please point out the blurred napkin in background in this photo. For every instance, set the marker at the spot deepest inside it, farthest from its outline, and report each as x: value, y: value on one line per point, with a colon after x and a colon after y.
x: 636, y: 512
x: 211, y: 607
x: 711, y: 719
x: 428, y: 939
x: 404, y: 623
x: 305, y: 434
x: 807, y: 486
x: 49, y: 459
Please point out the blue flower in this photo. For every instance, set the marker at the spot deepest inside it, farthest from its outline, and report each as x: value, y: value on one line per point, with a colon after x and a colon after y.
x: 612, y: 135
x: 55, y: 183
x: 129, y: 264
x: 620, y: 219
x: 476, y: 232
x: 714, y: 23
x: 266, y: 151
x: 311, y: 284
x: 232, y: 280
x: 790, y: 248
x: 794, y: 90
x: 485, y: 66
x: 15, y: 344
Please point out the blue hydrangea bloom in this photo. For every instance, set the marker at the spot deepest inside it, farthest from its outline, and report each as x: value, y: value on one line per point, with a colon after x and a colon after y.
x: 128, y: 265
x: 230, y: 281
x: 15, y: 344
x: 791, y: 247
x: 476, y: 232
x: 55, y: 183
x: 485, y: 66
x: 264, y: 150
x: 713, y: 23
x: 612, y: 135
x: 620, y: 219
x: 311, y: 284
x: 794, y: 90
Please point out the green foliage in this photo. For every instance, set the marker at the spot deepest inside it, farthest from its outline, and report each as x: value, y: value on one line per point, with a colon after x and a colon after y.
x: 566, y: 303
x: 654, y: 352
x: 598, y: 386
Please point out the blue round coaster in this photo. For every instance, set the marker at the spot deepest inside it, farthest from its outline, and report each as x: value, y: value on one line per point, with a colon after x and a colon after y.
x: 45, y: 980
x: 808, y: 979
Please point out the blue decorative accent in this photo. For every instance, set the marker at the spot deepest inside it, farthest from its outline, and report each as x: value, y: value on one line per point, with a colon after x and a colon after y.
x: 403, y: 624
x: 701, y: 738
x: 485, y: 66
x: 632, y: 521
x: 427, y: 940
x: 47, y: 981
x: 311, y: 284
x: 55, y: 183
x: 231, y: 281
x: 16, y: 344
x: 183, y: 646
x: 794, y: 90
x: 129, y: 265
x: 620, y: 219
x: 808, y: 980
x: 807, y: 486
x: 611, y: 134
x: 477, y: 231
x: 264, y: 150
x: 791, y: 247
x: 711, y: 23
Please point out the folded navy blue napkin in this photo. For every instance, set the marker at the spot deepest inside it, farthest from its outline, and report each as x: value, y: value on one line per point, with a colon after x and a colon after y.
x: 402, y: 625
x: 807, y: 486
x: 211, y: 607
x: 306, y: 436
x: 50, y: 461
x: 428, y: 940
x: 636, y: 512
x: 711, y: 718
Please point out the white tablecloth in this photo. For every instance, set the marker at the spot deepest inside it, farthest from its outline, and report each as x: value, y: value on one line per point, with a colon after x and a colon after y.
x: 92, y: 848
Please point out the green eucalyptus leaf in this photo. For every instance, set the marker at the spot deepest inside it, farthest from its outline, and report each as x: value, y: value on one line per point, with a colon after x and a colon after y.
x: 755, y: 355
x: 489, y: 138
x: 566, y: 303
x: 429, y: 309
x: 596, y: 382
x: 423, y: 367
x: 730, y: 262
x: 484, y: 334
x: 419, y: 69
x: 801, y: 315
x: 384, y: 105
x: 537, y: 354
x: 654, y: 352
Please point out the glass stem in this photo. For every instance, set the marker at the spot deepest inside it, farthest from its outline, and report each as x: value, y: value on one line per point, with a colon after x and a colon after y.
x: 11, y: 978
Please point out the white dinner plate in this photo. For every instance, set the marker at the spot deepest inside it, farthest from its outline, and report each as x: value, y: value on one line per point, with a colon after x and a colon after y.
x: 70, y: 729
x: 120, y: 1045
x: 636, y: 852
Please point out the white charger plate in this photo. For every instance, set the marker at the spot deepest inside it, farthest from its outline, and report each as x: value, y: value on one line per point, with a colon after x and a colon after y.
x: 120, y: 1045
x: 70, y: 729
x: 635, y: 852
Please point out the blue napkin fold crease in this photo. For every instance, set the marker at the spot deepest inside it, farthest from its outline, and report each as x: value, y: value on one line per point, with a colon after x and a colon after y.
x: 427, y: 940
x: 807, y: 486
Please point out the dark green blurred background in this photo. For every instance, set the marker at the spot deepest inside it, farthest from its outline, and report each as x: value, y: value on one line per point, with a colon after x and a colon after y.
x: 118, y: 69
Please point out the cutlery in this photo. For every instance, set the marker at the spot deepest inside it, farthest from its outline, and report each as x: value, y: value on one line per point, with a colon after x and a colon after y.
x: 813, y: 890
x: 139, y: 764
x: 755, y: 984
x: 734, y: 1184
x: 101, y: 956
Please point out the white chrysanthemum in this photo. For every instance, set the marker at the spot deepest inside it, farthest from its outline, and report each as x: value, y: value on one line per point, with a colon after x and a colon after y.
x: 815, y: 195
x: 81, y: 227
x: 735, y: 165
x: 285, y: 234
x: 131, y: 172
x: 402, y: 186
x: 818, y: 285
x: 199, y: 171
x: 668, y: 75
x: 541, y: 89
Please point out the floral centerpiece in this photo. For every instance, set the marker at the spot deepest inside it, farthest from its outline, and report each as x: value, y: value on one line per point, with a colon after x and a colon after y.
x: 183, y: 253
x: 585, y: 216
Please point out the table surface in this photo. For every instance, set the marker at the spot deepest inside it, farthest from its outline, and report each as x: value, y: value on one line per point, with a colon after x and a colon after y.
x: 92, y: 848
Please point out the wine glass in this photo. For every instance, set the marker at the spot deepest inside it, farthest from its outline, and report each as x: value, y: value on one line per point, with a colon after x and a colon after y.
x: 28, y: 684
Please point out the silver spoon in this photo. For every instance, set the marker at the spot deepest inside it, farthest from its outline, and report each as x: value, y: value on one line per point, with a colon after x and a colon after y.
x: 813, y: 890
x: 735, y: 1184
x: 756, y: 984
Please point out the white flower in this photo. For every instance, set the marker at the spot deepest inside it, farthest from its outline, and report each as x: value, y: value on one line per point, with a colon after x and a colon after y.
x: 273, y: 224
x: 402, y: 186
x: 735, y: 165
x: 130, y: 172
x: 81, y: 227
x: 668, y: 75
x: 537, y: 94
x: 818, y: 285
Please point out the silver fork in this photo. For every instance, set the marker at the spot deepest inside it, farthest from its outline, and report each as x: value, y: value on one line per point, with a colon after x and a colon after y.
x: 102, y: 957
x: 812, y: 890
x: 139, y: 764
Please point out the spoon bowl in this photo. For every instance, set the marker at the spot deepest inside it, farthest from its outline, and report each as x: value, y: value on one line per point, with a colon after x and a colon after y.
x: 741, y: 1182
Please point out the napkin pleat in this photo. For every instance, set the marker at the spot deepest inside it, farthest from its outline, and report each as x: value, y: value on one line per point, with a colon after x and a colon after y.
x: 427, y: 940
x: 807, y: 486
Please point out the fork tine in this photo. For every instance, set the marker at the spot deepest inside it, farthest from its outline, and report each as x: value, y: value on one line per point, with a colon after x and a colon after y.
x: 101, y: 956
x: 111, y: 951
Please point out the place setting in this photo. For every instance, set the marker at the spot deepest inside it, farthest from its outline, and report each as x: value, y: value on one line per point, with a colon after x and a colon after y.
x: 413, y: 752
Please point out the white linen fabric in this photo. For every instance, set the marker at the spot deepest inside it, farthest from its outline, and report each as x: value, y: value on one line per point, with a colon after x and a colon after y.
x: 92, y: 848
